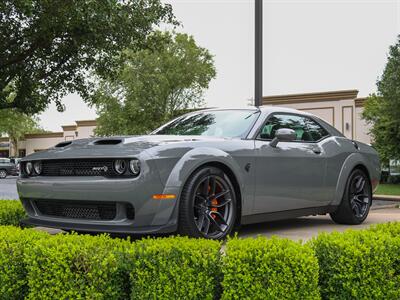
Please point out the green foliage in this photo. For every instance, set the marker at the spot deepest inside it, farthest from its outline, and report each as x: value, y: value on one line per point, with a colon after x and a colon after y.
x: 16, y: 124
x: 77, y: 267
x: 269, y: 269
x: 176, y: 268
x: 48, y: 48
x: 391, y: 228
x: 382, y: 111
x: 11, y: 212
x: 359, y: 264
x: 153, y: 85
x: 14, y: 244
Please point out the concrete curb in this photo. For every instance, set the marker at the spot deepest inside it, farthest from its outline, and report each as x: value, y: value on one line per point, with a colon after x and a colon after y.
x: 387, y: 198
x: 377, y: 207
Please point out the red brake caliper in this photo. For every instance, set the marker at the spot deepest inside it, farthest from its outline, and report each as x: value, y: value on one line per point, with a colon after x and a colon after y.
x: 213, y: 202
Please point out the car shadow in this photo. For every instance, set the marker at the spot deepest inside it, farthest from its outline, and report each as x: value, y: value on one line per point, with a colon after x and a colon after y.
x: 278, y: 226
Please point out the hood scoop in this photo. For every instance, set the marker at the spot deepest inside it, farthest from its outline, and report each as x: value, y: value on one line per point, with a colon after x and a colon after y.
x: 108, y: 142
x: 63, y: 144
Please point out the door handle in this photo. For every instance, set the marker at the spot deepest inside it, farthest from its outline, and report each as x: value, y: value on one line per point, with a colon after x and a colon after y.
x: 316, y: 150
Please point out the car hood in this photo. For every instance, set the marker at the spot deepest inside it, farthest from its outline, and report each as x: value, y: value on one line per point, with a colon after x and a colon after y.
x: 122, y: 146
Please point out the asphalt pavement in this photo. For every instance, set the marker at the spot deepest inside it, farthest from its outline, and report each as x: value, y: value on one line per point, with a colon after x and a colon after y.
x: 305, y: 228
x: 8, y: 188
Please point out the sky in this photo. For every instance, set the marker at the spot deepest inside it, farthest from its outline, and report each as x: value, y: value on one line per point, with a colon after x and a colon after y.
x: 309, y: 46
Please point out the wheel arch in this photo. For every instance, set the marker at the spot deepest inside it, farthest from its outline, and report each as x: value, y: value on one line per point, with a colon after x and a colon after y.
x: 364, y: 169
x: 199, y: 158
x: 353, y: 162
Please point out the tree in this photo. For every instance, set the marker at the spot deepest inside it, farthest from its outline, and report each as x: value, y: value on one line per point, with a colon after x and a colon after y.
x: 382, y: 110
x: 15, y: 125
x: 154, y: 85
x: 50, y: 47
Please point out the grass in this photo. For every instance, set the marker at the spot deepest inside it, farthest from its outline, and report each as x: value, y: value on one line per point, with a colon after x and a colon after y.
x: 388, y: 189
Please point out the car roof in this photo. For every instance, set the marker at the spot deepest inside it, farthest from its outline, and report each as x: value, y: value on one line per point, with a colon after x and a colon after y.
x: 264, y: 108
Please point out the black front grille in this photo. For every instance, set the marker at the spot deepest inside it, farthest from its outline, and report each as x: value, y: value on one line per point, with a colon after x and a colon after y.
x: 78, y: 167
x: 77, y: 209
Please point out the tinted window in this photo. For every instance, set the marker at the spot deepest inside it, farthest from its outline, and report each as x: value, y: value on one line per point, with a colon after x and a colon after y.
x: 224, y: 123
x: 307, y: 130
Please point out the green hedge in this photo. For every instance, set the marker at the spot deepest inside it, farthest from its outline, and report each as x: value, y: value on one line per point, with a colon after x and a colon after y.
x: 269, y: 269
x: 11, y: 212
x: 176, y: 268
x: 15, y: 243
x: 359, y: 264
x: 78, y: 267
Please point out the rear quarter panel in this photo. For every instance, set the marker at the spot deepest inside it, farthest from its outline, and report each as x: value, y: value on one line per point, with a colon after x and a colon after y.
x: 343, y: 159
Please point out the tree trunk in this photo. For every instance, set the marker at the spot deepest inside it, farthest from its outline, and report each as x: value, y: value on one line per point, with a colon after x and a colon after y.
x: 14, y: 147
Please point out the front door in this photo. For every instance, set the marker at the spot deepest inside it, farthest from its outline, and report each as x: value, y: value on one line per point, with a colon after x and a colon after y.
x: 292, y: 174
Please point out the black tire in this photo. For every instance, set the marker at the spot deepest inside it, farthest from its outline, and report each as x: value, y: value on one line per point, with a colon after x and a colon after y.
x: 208, y: 197
x: 3, y: 174
x: 356, y: 201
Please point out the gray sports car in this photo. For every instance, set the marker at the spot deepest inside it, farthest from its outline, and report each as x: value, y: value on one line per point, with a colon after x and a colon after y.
x: 201, y: 175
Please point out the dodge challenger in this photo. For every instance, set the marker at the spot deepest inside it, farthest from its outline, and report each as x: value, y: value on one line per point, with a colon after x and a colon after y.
x: 201, y: 175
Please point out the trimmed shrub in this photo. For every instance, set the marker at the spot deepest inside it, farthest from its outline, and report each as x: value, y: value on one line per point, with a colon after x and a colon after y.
x: 79, y: 267
x: 176, y: 268
x: 11, y: 212
x: 358, y: 265
x: 15, y: 243
x: 269, y: 269
x: 391, y: 228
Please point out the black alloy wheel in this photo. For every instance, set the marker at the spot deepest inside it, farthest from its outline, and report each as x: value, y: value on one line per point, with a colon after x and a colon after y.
x: 356, y: 201
x: 208, y: 205
x: 359, y: 196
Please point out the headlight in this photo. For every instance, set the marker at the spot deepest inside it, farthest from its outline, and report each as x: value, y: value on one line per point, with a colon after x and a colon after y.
x: 29, y: 168
x: 120, y: 166
x: 37, y: 166
x: 134, y: 166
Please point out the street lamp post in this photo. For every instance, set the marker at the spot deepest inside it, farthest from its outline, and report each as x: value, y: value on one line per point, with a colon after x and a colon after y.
x: 258, y: 43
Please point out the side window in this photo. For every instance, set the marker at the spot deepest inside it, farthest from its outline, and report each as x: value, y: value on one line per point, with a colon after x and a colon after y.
x: 307, y: 130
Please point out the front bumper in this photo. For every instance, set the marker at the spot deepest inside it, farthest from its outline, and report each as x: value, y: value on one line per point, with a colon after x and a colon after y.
x: 150, y: 216
x: 95, y: 228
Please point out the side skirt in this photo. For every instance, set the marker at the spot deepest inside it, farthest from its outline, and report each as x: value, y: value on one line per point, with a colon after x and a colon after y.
x: 287, y: 214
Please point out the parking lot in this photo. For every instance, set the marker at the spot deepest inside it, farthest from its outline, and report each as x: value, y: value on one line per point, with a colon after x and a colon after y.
x: 301, y: 228
x: 8, y: 188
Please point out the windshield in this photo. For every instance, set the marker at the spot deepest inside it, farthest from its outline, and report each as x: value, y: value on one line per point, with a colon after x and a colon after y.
x: 4, y: 160
x: 221, y: 123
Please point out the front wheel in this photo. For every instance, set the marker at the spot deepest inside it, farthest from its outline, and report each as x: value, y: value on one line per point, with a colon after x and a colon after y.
x: 3, y: 174
x: 356, y: 201
x: 207, y: 205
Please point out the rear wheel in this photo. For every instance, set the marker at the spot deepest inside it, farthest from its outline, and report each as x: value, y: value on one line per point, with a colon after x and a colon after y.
x: 356, y: 201
x: 3, y: 174
x: 207, y: 205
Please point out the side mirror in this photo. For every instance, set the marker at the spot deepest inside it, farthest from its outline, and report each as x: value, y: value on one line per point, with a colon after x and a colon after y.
x: 283, y: 135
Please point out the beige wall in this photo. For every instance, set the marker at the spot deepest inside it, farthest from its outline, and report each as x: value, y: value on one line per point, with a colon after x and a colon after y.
x: 85, y: 131
x: 36, y: 144
x: 32, y: 142
x: 362, y: 128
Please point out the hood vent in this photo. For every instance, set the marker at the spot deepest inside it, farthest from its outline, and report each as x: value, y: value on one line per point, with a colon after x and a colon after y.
x: 108, y: 142
x: 63, y: 144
